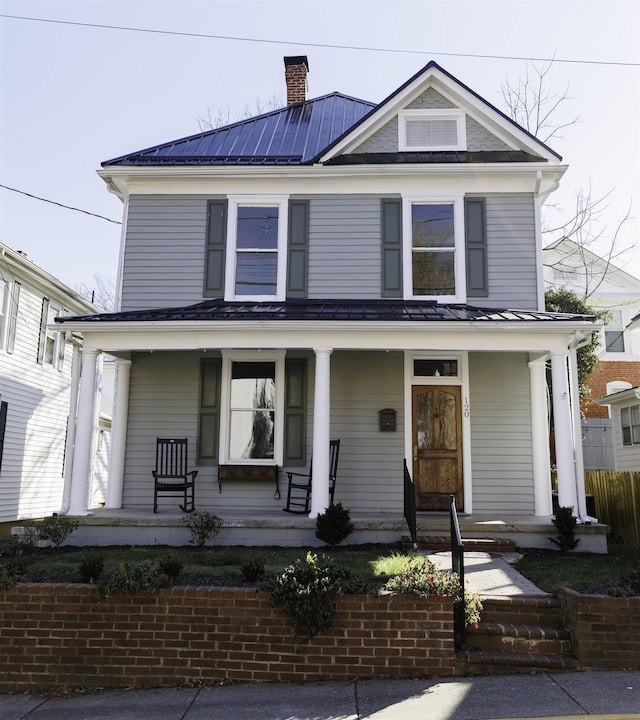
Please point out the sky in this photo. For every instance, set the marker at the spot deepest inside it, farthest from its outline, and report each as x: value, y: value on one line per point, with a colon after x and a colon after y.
x: 73, y: 96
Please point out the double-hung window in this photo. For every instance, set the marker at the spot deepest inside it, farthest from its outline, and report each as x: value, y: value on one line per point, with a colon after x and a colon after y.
x: 434, y: 250
x: 51, y: 346
x: 256, y: 257
x: 630, y: 417
x: 614, y: 333
x: 253, y: 408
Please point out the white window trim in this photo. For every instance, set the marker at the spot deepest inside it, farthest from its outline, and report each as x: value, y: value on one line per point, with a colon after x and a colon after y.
x: 55, y: 310
x: 457, y: 115
x: 234, y: 202
x: 462, y: 380
x: 458, y: 248
x: 228, y: 357
x: 4, y: 312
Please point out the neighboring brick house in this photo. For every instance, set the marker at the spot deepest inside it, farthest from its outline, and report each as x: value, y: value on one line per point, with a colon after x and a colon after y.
x: 617, y: 291
x: 369, y: 272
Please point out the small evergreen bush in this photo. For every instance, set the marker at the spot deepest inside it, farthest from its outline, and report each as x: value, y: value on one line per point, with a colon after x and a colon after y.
x: 252, y: 568
x: 334, y: 525
x: 565, y: 522
x: 143, y: 577
x: 171, y: 566
x: 91, y: 567
x: 306, y: 590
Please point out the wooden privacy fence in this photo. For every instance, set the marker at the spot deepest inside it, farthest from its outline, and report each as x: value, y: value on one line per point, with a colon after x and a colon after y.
x: 617, y: 500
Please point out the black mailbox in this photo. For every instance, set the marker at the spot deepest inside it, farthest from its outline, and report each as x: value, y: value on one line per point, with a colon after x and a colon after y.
x: 387, y: 420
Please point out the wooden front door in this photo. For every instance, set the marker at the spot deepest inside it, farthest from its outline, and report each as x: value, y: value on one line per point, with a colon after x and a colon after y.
x: 437, y: 446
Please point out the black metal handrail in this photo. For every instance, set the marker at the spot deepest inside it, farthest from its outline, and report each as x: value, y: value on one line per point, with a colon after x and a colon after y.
x: 410, y: 505
x: 457, y: 565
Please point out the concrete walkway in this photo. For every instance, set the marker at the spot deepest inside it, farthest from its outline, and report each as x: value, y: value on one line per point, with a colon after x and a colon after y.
x: 600, y: 694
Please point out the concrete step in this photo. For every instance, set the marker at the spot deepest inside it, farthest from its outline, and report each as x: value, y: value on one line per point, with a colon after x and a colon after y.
x: 481, y: 662
x: 441, y: 543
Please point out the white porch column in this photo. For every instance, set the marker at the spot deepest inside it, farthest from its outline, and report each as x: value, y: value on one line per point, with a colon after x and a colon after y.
x: 118, y: 433
x: 540, y: 438
x: 574, y: 384
x: 84, y: 432
x: 321, y: 433
x: 71, y: 426
x: 563, y: 432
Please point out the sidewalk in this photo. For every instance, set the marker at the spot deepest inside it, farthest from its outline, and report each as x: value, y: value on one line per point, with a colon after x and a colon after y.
x: 603, y: 694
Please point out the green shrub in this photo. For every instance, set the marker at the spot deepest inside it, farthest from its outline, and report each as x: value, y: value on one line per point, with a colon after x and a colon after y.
x: 252, y: 568
x: 565, y: 522
x: 306, y: 590
x: 334, y: 525
x: 202, y: 525
x: 12, y: 571
x: 143, y: 577
x: 58, y: 528
x: 91, y: 567
x: 421, y: 577
x: 171, y: 566
x: 10, y: 547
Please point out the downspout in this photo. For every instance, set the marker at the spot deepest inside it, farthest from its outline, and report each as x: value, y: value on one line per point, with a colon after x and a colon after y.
x: 578, y: 342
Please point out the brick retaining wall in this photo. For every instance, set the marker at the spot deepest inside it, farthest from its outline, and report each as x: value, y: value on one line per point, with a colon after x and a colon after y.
x: 605, y: 631
x: 54, y: 635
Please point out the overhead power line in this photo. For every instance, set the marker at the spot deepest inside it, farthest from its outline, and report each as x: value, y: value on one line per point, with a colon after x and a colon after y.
x: 66, y: 207
x: 320, y: 45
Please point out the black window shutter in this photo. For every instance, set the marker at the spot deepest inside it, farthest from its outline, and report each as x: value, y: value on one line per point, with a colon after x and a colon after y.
x: 209, y: 412
x: 298, y: 248
x: 215, y: 249
x: 392, y: 248
x: 295, y: 434
x: 3, y: 425
x: 476, y: 247
x: 43, y: 330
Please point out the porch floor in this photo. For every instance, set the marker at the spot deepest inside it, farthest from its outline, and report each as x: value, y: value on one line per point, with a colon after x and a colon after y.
x: 140, y: 526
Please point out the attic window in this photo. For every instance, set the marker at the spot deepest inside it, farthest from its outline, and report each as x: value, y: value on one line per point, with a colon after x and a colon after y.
x: 431, y: 130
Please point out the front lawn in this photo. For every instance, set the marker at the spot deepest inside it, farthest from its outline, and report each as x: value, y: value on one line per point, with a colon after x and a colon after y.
x: 617, y: 573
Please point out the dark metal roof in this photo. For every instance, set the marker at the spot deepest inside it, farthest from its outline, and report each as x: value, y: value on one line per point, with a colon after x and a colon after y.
x: 440, y: 156
x: 289, y: 136
x: 329, y: 310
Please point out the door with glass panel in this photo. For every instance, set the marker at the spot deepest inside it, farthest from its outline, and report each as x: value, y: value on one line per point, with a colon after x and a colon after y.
x: 437, y: 446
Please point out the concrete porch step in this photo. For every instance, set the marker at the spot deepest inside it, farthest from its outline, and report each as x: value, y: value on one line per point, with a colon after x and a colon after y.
x: 441, y: 543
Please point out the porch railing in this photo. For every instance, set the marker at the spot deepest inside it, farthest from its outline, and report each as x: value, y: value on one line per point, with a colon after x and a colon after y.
x: 410, y: 505
x: 457, y: 565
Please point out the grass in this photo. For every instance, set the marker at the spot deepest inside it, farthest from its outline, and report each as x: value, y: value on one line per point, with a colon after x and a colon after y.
x: 374, y: 564
x: 582, y: 572
x: 209, y: 565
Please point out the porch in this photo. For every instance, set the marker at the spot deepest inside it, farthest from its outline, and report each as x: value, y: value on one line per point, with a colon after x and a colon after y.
x: 142, y: 527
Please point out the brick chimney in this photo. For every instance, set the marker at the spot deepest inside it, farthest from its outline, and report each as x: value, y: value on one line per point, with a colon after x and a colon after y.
x: 296, y: 69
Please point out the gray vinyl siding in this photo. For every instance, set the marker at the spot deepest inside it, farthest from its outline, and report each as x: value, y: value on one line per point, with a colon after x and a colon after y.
x: 164, y: 251
x: 511, y: 252
x: 344, y: 247
x: 502, y: 468
x: 163, y: 402
x: 627, y: 457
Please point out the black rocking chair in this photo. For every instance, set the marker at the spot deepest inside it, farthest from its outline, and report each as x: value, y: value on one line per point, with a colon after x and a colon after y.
x: 171, y: 475
x: 299, y: 491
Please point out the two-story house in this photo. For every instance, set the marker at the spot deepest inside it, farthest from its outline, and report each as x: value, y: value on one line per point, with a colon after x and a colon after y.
x: 339, y: 269
x: 37, y: 370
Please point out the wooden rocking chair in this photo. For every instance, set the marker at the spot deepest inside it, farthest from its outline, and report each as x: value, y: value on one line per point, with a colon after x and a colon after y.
x: 299, y: 491
x: 171, y: 475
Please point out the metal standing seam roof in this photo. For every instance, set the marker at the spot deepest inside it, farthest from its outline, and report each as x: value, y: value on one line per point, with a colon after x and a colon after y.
x: 329, y: 310
x: 290, y: 136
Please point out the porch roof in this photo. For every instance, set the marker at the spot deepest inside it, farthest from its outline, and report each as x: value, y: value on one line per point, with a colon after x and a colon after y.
x: 329, y: 310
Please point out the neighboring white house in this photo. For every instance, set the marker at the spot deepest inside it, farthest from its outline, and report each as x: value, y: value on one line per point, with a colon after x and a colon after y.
x: 625, y: 413
x: 36, y: 368
x: 607, y: 287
